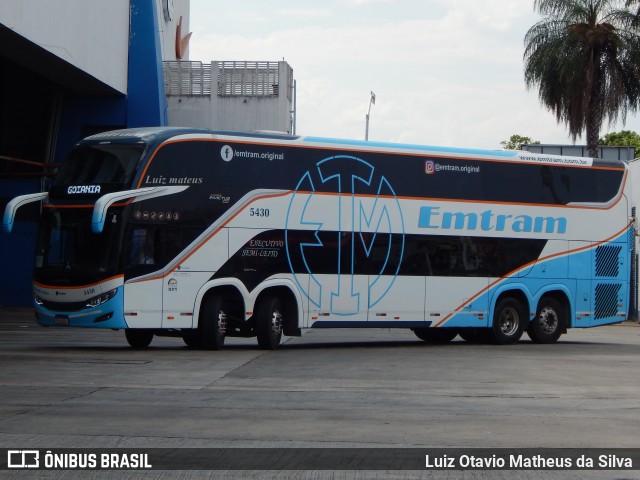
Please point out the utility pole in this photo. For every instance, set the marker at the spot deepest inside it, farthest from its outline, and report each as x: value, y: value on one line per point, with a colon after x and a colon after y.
x: 372, y: 101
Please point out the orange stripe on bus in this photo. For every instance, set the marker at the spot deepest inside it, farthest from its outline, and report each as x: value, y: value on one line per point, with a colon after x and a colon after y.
x: 42, y: 285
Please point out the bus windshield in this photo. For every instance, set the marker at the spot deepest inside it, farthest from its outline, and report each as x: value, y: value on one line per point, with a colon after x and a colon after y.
x: 108, y: 165
x: 69, y: 254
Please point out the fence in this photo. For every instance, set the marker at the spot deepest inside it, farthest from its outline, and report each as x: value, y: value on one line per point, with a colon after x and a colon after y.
x: 234, y: 78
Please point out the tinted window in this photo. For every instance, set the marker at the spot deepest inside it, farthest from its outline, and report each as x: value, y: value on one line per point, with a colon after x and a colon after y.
x: 100, y: 164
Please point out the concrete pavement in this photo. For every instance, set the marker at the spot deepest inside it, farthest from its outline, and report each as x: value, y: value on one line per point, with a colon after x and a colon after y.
x: 330, y: 388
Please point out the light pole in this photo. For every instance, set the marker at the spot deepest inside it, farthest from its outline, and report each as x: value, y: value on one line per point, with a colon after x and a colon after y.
x: 372, y: 101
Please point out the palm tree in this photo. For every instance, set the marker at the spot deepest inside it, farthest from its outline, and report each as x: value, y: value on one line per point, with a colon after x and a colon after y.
x: 631, y: 3
x: 584, y: 56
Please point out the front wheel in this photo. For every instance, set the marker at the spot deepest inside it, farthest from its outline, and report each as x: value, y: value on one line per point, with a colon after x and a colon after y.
x: 269, y: 323
x: 138, y: 337
x: 509, y: 320
x: 549, y: 322
x: 435, y: 335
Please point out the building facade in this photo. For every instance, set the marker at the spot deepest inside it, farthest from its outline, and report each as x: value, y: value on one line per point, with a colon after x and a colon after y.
x: 72, y: 68
x: 235, y: 95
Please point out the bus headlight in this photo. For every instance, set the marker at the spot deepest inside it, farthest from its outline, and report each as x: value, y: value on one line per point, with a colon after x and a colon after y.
x: 100, y: 299
x: 37, y: 299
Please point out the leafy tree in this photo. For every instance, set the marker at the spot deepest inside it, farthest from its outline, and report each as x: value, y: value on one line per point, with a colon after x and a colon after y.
x: 515, y: 141
x: 624, y: 138
x: 584, y: 57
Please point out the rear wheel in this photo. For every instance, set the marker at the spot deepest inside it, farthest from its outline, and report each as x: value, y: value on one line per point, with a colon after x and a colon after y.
x: 269, y: 323
x: 213, y: 323
x: 509, y: 320
x: 138, y: 337
x: 549, y: 322
x: 435, y: 335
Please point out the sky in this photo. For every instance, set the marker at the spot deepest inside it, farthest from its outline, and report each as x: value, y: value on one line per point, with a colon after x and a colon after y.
x: 444, y: 72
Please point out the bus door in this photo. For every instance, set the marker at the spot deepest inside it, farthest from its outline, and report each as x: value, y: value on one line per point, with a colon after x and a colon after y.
x: 159, y: 289
x: 143, y: 281
x: 184, y: 280
x: 179, y: 289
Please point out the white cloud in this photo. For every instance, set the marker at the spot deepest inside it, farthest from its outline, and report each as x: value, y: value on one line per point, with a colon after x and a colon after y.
x: 491, y: 14
x: 444, y: 71
x: 363, y: 2
x: 305, y: 13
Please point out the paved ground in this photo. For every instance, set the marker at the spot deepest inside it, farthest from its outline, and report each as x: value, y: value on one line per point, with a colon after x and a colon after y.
x: 331, y: 388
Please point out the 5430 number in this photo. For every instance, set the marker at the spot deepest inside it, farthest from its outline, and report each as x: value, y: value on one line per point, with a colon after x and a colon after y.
x: 258, y: 212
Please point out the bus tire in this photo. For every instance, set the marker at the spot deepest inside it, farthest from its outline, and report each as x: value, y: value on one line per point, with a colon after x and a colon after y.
x: 549, y: 322
x: 509, y: 320
x: 269, y: 323
x: 435, y: 335
x: 138, y: 337
x: 213, y: 323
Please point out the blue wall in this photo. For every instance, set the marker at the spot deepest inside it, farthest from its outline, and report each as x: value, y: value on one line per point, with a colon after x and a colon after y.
x: 147, y: 103
x: 17, y: 248
x: 82, y: 115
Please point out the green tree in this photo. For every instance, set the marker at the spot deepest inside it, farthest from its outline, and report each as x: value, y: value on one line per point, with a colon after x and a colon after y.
x: 516, y: 140
x: 624, y: 138
x: 584, y: 57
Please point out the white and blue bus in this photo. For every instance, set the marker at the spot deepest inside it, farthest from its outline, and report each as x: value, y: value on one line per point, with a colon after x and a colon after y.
x: 206, y: 235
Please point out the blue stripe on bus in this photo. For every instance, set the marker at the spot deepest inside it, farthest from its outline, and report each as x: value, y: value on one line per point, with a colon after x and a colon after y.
x: 87, y: 318
x: 408, y: 146
x: 371, y: 324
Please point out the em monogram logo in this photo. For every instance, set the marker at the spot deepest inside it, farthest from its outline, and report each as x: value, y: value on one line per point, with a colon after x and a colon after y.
x: 345, y: 200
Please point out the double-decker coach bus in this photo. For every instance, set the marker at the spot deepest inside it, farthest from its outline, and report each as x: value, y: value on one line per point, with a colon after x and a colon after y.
x: 207, y: 235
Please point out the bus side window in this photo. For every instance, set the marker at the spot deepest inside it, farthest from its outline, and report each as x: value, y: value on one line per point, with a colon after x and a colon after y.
x: 142, y: 251
x: 150, y: 248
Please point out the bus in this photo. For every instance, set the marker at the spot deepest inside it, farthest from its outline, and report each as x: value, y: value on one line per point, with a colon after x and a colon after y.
x: 205, y: 235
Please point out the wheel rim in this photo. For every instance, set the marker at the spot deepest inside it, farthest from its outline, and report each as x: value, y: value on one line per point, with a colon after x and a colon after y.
x: 222, y: 322
x: 548, y: 320
x: 509, y: 321
x: 276, y: 323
